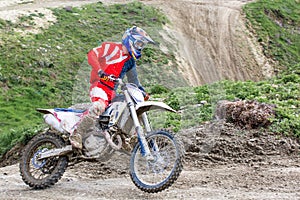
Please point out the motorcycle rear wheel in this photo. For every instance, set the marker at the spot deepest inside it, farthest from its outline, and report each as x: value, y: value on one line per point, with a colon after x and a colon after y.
x: 40, y: 174
x: 159, y: 174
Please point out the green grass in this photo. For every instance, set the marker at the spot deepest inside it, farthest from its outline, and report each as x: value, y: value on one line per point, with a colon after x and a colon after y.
x: 277, y: 25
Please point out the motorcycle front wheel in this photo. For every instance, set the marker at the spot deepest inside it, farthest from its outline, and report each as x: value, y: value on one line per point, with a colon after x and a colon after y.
x: 153, y: 176
x: 40, y: 174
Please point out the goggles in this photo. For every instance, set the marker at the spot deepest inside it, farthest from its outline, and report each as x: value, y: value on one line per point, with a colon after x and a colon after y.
x: 139, y: 44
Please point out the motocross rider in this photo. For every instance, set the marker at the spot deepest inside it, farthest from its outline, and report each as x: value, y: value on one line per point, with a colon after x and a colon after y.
x: 111, y: 59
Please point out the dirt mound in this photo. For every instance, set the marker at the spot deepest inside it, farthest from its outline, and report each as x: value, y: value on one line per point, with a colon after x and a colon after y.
x: 224, y: 143
x: 246, y: 113
x: 116, y: 167
x: 12, y: 156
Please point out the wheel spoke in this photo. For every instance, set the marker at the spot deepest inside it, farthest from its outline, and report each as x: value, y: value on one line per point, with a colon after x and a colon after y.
x: 154, y: 172
x: 158, y: 174
x: 42, y: 173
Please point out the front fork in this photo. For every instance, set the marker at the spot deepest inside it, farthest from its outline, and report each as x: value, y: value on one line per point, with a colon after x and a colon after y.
x: 146, y: 123
x: 149, y: 129
x: 145, y: 151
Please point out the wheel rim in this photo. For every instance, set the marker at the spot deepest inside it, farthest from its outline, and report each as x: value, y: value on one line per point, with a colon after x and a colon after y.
x: 41, y: 169
x: 36, y: 163
x: 165, y: 156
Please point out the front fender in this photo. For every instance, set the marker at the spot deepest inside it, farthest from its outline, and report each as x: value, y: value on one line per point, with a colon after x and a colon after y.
x: 152, y: 105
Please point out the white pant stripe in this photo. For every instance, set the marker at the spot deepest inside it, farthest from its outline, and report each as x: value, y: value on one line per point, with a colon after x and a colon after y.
x: 98, y: 92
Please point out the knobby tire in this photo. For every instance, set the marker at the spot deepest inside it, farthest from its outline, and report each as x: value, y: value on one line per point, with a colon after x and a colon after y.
x: 53, y: 168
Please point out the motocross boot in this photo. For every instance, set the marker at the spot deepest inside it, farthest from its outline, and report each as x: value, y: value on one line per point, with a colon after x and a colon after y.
x: 85, y: 125
x: 76, y: 140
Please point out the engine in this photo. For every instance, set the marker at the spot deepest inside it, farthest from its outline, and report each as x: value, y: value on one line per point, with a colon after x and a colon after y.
x: 94, y: 144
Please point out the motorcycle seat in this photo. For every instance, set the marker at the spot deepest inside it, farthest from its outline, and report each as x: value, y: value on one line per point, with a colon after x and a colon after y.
x: 68, y: 110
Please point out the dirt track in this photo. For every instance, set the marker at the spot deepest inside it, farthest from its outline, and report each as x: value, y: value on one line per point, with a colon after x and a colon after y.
x: 251, y: 165
x: 218, y: 182
x: 227, y: 166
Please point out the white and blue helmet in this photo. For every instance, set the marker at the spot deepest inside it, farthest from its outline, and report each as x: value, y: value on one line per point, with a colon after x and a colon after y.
x: 135, y: 39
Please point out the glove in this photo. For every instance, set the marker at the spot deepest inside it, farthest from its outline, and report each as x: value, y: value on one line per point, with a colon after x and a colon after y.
x: 106, y: 77
x: 102, y: 74
x: 146, y: 96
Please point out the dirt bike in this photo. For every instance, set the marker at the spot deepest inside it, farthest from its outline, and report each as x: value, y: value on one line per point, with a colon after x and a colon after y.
x: 156, y: 157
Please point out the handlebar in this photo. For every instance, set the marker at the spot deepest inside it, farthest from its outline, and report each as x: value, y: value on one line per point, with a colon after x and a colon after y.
x: 120, y: 81
x: 115, y: 79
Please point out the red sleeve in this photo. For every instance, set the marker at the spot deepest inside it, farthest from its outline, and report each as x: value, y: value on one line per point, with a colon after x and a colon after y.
x: 93, y: 60
x: 93, y: 57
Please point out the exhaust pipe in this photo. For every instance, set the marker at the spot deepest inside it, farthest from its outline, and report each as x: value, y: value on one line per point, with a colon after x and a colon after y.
x: 111, y: 143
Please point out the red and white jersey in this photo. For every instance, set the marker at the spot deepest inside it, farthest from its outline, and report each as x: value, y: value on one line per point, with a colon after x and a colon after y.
x: 110, y: 58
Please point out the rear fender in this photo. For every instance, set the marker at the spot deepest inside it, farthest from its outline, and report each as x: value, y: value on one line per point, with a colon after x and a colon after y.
x: 51, y: 119
x: 45, y: 111
x: 61, y: 119
x: 152, y: 105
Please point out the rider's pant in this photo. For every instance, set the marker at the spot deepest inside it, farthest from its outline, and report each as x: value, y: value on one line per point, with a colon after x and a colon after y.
x: 100, y: 96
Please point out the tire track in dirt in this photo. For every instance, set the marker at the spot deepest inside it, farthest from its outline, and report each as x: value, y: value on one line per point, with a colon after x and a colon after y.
x: 213, y: 42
